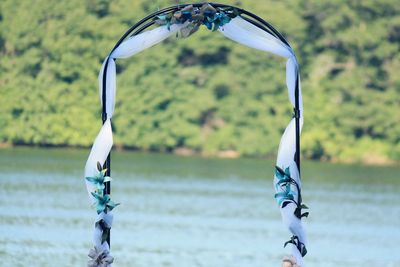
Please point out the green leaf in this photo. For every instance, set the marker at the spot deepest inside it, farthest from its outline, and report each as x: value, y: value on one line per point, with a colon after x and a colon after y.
x: 111, y: 205
x: 303, y: 251
x: 303, y: 206
x: 297, y: 212
x: 291, y: 241
x: 105, y: 234
x: 104, y: 228
x: 99, y: 167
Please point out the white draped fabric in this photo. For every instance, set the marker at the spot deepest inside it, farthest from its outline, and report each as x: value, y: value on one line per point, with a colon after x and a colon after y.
x: 247, y: 34
x: 101, y: 148
x: 128, y: 48
x: 242, y: 32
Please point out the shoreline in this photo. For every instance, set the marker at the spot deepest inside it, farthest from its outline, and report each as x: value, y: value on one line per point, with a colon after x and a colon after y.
x: 222, y: 154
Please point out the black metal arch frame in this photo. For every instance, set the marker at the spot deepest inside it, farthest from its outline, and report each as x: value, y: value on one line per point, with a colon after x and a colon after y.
x: 148, y: 21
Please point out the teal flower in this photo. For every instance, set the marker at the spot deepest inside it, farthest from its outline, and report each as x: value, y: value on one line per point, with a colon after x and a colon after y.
x: 211, y: 17
x: 220, y: 19
x: 208, y: 23
x: 104, y: 203
x: 285, y: 182
x: 283, y: 176
x: 100, y: 178
x: 285, y: 197
x: 164, y: 19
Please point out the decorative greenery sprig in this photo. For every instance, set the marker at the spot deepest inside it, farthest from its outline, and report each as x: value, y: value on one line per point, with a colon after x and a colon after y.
x: 300, y: 246
x: 285, y: 182
x: 194, y: 17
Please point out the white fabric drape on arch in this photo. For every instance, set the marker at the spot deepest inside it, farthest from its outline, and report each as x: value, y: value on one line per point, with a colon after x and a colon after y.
x: 104, y: 141
x: 238, y: 30
x: 247, y: 34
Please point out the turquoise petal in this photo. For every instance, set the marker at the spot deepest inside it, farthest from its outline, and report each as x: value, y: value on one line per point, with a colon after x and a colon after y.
x: 287, y: 171
x: 91, y: 179
x: 100, y: 208
x: 96, y: 196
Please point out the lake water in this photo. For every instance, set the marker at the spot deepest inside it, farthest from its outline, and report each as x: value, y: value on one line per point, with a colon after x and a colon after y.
x: 188, y: 212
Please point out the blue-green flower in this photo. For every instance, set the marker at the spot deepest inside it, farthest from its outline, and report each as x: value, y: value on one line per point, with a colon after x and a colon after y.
x: 220, y: 19
x: 285, y: 196
x: 104, y: 202
x: 100, y: 178
x: 283, y: 176
x: 211, y: 17
x: 285, y: 181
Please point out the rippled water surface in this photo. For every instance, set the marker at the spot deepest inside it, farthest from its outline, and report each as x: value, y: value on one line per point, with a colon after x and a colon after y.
x: 188, y: 212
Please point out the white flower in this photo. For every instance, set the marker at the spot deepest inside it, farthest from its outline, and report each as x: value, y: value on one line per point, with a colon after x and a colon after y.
x: 99, y: 258
x: 289, y: 261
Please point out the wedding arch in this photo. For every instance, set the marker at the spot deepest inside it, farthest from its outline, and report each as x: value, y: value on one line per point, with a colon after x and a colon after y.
x: 238, y: 25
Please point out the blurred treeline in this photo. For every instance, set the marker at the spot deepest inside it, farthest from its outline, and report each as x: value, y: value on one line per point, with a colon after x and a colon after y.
x: 206, y: 93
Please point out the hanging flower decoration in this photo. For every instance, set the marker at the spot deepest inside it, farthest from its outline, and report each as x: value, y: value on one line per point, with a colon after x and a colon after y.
x: 100, y: 178
x: 104, y: 203
x: 99, y: 258
x: 286, y: 196
x: 193, y: 18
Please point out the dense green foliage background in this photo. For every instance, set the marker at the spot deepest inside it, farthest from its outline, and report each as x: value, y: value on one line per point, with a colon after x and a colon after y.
x: 204, y: 93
